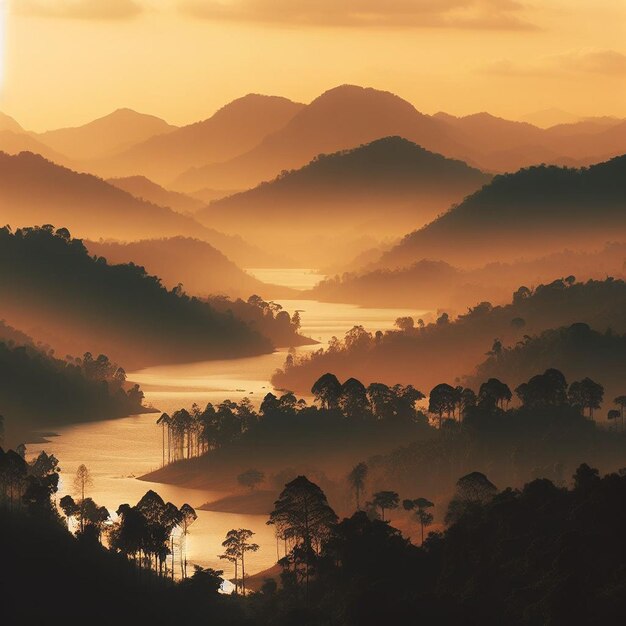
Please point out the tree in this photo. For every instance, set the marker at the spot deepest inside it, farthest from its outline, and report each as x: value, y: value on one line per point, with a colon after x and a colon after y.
x: 69, y: 508
x: 621, y: 403
x: 421, y: 507
x: 586, y: 394
x: 494, y: 393
x: 327, y: 391
x: 251, y: 478
x: 302, y: 513
x: 353, y: 399
x: 165, y: 421
x: 385, y: 501
x: 405, y: 324
x: 187, y: 517
x: 472, y: 490
x: 544, y: 390
x: 442, y: 399
x: 356, y: 478
x: 82, y: 480
x: 236, y: 544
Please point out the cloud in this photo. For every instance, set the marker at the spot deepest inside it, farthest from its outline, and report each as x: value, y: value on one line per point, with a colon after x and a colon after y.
x: 476, y: 14
x: 598, y: 62
x: 79, y: 9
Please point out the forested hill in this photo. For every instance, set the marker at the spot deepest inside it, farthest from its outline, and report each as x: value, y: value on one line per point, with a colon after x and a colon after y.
x: 39, y: 390
x: 351, y: 186
x: 77, y: 303
x: 538, y: 209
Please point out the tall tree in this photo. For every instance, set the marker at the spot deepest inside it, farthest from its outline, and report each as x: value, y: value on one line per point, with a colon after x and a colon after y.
x: 356, y: 478
x: 421, y: 507
x: 82, y: 480
x: 327, y: 391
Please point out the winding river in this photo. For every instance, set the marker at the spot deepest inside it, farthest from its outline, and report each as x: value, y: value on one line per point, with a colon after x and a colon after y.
x: 117, y: 451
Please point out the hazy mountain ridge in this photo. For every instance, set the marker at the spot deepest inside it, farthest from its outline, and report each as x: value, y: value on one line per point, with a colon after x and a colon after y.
x: 34, y: 190
x: 350, y: 187
x: 584, y: 207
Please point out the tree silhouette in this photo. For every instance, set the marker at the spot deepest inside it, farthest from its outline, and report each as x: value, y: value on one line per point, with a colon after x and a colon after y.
x: 356, y: 478
x: 442, y: 399
x: 251, y: 478
x: 586, y: 394
x: 327, y: 391
x: 82, y: 480
x: 421, y: 506
x: 385, y: 501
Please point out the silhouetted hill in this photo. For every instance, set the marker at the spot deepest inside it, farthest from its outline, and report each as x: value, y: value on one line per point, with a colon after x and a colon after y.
x: 79, y: 303
x: 234, y: 129
x: 339, y: 119
x: 111, y: 133
x: 36, y: 191
x: 384, y: 185
x: 435, y: 284
x: 577, y: 351
x: 444, y: 349
x: 39, y: 390
x: 202, y: 269
x: 143, y: 188
x: 536, y: 210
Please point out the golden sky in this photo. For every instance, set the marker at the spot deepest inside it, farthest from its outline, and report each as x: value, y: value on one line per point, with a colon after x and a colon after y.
x: 68, y: 61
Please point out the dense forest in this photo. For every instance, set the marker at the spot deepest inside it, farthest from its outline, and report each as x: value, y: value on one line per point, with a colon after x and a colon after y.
x: 38, y: 390
x: 544, y: 553
x: 536, y: 210
x: 48, y: 281
x: 423, y: 353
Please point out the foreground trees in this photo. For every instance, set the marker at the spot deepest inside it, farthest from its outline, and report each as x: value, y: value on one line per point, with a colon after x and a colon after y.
x: 236, y: 544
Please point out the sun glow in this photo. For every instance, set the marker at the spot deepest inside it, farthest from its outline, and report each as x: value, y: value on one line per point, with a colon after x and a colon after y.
x: 3, y: 19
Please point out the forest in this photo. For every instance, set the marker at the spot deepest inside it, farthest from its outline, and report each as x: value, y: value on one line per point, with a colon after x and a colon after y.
x: 48, y: 279
x: 546, y: 552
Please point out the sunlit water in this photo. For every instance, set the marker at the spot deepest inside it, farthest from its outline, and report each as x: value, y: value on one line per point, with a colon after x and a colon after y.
x: 118, y: 451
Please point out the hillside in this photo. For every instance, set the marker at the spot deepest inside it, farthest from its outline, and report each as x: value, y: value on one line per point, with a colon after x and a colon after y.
x: 202, y: 269
x: 8, y: 123
x: 144, y: 189
x: 234, y: 129
x: 430, y: 284
x: 534, y: 211
x: 14, y: 142
x: 446, y: 349
x: 36, y: 191
x: 339, y: 119
x: 350, y: 189
x: 68, y: 390
x: 105, y: 135
x: 76, y: 302
x: 578, y: 351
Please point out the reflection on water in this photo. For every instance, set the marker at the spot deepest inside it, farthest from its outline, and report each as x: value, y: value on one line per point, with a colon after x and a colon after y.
x: 117, y: 451
x: 294, y: 278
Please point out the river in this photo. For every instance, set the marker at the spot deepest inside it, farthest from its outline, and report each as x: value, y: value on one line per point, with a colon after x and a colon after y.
x: 117, y: 451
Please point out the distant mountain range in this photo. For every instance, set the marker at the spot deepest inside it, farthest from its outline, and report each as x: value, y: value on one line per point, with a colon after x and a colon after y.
x: 380, y: 187
x: 234, y: 129
x: 36, y: 191
x: 107, y: 135
x: 254, y: 138
x: 534, y: 211
x: 144, y: 188
x: 339, y: 119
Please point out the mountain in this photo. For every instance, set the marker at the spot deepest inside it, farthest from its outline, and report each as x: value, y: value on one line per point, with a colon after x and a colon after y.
x: 234, y: 129
x: 430, y: 284
x: 202, y: 269
x: 78, y: 302
x: 339, y: 119
x: 546, y: 118
x: 534, y: 211
x: 13, y: 142
x: 106, y: 135
x: 8, y: 123
x: 36, y: 191
x: 143, y: 188
x: 384, y: 186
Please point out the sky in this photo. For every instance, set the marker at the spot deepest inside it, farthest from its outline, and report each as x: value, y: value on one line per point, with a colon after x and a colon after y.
x: 65, y: 62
